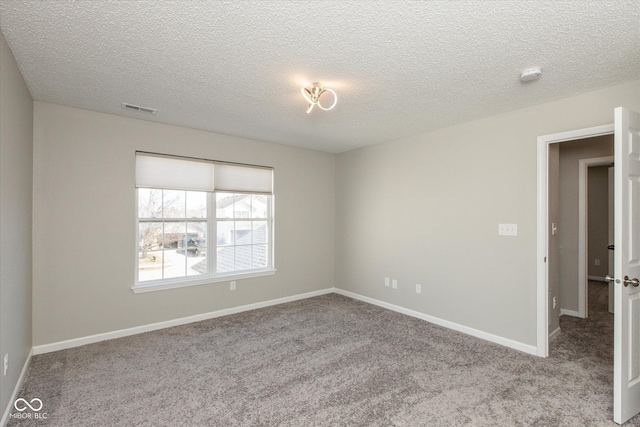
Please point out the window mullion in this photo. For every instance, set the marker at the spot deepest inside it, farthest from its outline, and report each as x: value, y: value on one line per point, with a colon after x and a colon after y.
x: 270, y: 244
x: 212, y: 224
x: 137, y: 277
x: 162, y: 233
x: 185, y: 245
x: 164, y: 258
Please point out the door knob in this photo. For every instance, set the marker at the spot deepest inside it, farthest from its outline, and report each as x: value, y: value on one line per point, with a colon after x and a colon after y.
x: 634, y: 282
x: 611, y: 247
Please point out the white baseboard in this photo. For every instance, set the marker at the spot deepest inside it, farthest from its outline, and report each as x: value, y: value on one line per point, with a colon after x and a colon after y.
x: 553, y: 335
x: 597, y: 278
x: 565, y: 312
x: 77, y: 342
x: 526, y: 348
x: 16, y: 389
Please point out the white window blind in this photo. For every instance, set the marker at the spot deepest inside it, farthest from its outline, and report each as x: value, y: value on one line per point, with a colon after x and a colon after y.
x: 241, y: 178
x: 177, y: 173
x: 173, y: 173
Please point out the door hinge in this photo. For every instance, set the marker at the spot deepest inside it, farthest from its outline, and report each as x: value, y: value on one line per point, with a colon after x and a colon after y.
x: 545, y: 259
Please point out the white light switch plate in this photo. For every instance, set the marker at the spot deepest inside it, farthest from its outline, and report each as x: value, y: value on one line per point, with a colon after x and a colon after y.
x: 507, y: 229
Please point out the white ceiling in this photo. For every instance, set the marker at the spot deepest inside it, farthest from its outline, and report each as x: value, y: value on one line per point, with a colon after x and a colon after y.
x: 399, y: 67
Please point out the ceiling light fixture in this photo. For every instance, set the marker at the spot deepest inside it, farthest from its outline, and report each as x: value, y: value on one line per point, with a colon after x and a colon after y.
x: 312, y: 94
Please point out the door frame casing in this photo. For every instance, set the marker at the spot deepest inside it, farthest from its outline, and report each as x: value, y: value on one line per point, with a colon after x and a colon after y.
x: 542, y: 252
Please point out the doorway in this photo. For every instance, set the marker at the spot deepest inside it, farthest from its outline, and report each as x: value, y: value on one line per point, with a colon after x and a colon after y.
x: 596, y: 212
x: 578, y: 238
x: 592, y: 259
x: 626, y: 347
x: 546, y: 300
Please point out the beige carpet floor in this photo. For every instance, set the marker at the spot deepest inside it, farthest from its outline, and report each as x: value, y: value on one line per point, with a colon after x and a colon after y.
x: 327, y: 361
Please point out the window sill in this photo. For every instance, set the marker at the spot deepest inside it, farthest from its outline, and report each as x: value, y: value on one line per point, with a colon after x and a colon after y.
x: 182, y: 283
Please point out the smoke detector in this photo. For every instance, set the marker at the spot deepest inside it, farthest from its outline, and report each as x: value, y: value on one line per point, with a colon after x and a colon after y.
x: 531, y: 74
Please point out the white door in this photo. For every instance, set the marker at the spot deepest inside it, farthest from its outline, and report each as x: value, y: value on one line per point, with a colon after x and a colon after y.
x: 626, y: 346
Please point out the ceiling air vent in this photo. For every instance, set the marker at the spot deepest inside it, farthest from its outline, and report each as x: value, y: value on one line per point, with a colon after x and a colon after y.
x: 138, y: 108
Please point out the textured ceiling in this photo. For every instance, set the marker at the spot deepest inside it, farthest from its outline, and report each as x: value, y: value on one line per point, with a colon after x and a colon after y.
x: 399, y: 68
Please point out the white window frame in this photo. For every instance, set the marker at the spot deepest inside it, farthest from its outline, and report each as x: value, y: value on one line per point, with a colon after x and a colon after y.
x: 212, y: 276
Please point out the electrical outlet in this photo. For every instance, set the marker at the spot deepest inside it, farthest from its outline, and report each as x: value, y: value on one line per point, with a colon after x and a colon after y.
x: 6, y: 363
x: 596, y: 261
x: 386, y: 282
x: 232, y: 286
x: 418, y: 289
x: 394, y: 284
x: 554, y: 303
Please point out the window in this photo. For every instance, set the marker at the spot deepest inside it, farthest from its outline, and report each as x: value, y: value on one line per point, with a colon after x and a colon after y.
x: 241, y: 232
x: 172, y: 234
x: 201, y: 221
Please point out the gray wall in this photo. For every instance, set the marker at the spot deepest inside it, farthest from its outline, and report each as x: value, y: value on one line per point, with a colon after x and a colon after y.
x: 16, y: 157
x: 426, y: 209
x: 570, y: 155
x: 84, y: 222
x: 598, y: 218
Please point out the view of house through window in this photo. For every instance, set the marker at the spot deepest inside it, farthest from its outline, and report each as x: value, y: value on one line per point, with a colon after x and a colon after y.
x: 187, y: 234
x: 241, y: 222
